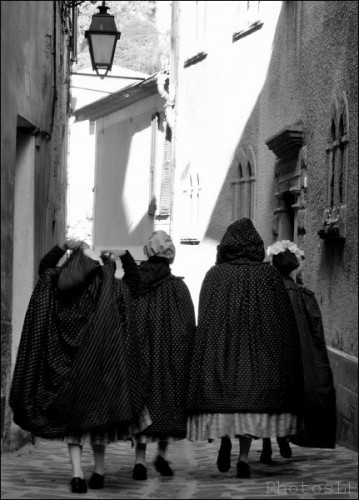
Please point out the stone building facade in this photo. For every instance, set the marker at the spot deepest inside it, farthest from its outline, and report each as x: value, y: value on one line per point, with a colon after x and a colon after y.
x: 266, y: 127
x: 35, y: 107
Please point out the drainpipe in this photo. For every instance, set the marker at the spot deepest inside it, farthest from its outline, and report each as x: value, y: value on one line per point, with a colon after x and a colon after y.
x: 54, y: 54
x: 174, y: 88
x: 162, y: 77
x: 175, y: 44
x: 168, y: 96
x: 3, y: 404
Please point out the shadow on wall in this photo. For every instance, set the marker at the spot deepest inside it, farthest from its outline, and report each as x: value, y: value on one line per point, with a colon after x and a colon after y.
x: 252, y: 139
x: 120, y: 214
x: 223, y: 212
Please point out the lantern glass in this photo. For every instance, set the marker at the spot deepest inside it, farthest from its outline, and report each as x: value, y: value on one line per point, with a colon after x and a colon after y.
x: 103, y: 48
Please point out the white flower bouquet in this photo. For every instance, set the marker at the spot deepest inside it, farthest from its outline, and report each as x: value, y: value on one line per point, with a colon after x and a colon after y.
x: 283, y: 245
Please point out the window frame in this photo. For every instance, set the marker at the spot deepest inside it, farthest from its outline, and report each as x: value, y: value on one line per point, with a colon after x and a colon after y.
x: 337, y: 162
x: 245, y: 21
x: 196, y: 43
x: 337, y: 153
x: 244, y: 185
x: 191, y: 190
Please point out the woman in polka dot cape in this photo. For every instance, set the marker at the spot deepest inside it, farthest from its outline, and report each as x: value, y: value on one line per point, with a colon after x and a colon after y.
x: 246, y: 379
x: 72, y: 379
x: 164, y: 319
x: 319, y: 419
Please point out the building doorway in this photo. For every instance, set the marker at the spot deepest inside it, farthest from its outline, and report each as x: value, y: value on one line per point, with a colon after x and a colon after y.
x: 287, y: 217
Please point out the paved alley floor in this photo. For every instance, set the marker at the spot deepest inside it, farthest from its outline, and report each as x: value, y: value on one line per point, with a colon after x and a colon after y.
x: 43, y: 471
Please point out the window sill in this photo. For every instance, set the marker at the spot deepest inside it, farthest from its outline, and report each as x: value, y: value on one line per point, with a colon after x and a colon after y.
x: 195, y: 59
x: 247, y: 31
x: 189, y: 241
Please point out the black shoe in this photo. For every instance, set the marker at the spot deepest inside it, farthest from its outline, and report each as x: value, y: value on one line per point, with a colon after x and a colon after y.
x: 96, y: 481
x: 162, y: 466
x: 243, y: 469
x: 284, y: 448
x: 139, y: 472
x: 266, y: 458
x: 78, y: 485
x: 224, y: 455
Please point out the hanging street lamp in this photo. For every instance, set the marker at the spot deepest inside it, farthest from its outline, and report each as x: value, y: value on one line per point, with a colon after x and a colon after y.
x: 102, y: 37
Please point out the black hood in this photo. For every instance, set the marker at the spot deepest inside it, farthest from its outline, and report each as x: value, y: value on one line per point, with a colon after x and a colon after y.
x: 241, y: 242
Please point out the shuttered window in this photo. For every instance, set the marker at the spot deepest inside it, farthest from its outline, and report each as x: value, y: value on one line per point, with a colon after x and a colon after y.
x: 154, y: 133
x: 165, y: 199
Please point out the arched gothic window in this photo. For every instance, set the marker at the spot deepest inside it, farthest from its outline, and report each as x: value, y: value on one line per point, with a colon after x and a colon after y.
x: 191, y: 209
x: 337, y: 150
x: 243, y: 204
x: 334, y: 216
x: 332, y: 165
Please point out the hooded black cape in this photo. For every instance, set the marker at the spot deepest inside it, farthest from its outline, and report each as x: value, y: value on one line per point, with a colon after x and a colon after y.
x: 246, y: 354
x: 319, y: 394
x: 72, y: 373
x: 163, y: 317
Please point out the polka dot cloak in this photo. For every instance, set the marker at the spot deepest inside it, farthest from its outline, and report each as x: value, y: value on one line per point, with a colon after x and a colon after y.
x: 246, y: 353
x: 164, y: 321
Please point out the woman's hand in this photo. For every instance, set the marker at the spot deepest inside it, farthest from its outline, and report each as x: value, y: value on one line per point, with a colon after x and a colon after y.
x: 72, y: 244
x: 114, y: 254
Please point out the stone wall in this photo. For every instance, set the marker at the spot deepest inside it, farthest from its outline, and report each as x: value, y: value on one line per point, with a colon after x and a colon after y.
x: 34, y: 113
x: 345, y: 372
x: 244, y: 89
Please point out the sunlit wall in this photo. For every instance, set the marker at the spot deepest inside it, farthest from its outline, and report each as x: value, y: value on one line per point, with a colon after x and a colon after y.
x: 216, y: 96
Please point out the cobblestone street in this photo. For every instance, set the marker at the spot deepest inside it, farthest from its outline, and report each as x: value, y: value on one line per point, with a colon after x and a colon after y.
x: 43, y: 471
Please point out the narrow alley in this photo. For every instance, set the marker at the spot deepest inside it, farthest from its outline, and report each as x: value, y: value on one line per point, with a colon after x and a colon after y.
x: 43, y: 471
x: 179, y: 254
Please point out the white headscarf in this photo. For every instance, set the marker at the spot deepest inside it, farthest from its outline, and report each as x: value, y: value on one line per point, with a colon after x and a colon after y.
x: 160, y: 244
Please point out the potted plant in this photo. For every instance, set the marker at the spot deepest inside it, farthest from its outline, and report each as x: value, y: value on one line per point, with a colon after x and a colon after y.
x: 333, y: 224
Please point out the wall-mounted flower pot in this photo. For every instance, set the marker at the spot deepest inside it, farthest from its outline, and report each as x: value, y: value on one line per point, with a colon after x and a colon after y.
x: 334, y: 224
